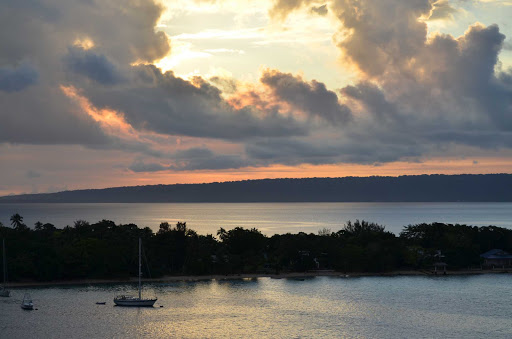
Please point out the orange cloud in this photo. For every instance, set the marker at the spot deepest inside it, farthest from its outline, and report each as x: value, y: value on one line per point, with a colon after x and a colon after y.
x: 111, y: 121
x: 114, y: 123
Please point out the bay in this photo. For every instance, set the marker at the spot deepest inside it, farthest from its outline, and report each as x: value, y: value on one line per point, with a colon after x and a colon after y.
x: 321, y: 307
x: 270, y: 218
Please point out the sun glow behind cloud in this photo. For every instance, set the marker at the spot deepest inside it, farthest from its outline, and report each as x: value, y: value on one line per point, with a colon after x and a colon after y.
x: 111, y: 121
x: 240, y: 37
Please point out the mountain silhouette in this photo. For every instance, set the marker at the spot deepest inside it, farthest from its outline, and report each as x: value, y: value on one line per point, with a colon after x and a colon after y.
x: 408, y: 188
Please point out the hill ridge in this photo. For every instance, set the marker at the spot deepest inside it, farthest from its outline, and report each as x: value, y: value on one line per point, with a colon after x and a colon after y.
x: 405, y: 188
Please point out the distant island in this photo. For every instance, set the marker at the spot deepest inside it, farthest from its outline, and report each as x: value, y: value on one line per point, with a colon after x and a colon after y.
x: 408, y: 188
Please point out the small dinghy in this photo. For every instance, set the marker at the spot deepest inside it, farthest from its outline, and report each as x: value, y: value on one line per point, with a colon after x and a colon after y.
x: 101, y: 303
x: 27, y: 303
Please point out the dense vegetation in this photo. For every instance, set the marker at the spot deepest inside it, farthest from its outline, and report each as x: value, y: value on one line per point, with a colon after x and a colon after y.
x: 464, y: 187
x: 107, y: 250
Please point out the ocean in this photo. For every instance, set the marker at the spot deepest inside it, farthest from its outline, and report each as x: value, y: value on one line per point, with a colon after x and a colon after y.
x: 321, y: 307
x: 269, y: 218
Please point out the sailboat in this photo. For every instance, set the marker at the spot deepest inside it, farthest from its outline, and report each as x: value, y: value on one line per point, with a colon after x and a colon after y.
x: 4, y: 292
x: 126, y: 300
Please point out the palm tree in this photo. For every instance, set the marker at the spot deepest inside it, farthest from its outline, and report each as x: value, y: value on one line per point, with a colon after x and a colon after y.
x: 17, y: 221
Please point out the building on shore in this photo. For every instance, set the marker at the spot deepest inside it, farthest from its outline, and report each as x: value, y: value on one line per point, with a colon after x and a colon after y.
x: 497, y: 258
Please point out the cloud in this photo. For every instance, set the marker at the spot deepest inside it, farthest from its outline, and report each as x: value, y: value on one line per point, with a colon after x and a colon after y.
x: 15, y: 79
x: 320, y: 10
x: 91, y: 65
x: 167, y: 104
x: 44, y: 115
x: 193, y: 159
x: 34, y: 109
x: 443, y: 10
x: 140, y: 166
x: 355, y: 149
x: 437, y: 91
x: 31, y: 174
x: 381, y: 34
x: 281, y: 8
x: 415, y: 94
x: 312, y: 98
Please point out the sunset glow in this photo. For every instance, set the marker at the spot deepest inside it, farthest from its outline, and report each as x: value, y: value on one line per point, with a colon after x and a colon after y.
x: 117, y: 94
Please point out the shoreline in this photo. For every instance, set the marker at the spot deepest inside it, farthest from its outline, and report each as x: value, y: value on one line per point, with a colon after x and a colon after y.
x: 288, y: 275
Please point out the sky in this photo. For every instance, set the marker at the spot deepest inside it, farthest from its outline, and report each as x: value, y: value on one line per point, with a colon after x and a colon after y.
x: 104, y: 93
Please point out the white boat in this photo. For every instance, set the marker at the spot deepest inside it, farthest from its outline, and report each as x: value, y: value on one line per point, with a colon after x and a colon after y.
x: 4, y: 292
x: 27, y: 304
x: 126, y: 300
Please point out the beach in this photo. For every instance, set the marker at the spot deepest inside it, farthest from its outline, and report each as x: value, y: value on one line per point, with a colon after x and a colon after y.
x: 286, y: 275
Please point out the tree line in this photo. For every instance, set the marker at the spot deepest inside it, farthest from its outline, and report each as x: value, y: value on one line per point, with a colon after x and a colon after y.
x: 108, y: 250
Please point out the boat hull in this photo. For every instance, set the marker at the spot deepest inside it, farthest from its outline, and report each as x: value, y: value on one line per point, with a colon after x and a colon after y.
x: 27, y: 307
x: 135, y: 302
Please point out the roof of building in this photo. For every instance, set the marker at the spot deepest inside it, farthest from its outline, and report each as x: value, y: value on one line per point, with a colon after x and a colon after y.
x: 496, y: 254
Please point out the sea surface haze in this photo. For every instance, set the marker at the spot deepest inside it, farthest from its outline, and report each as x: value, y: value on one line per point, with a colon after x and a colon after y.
x: 269, y: 218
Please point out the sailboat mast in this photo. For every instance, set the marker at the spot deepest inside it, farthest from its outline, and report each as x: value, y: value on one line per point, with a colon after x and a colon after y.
x: 4, y: 261
x: 140, y: 266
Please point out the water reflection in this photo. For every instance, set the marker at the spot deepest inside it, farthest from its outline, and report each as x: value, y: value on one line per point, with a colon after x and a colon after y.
x: 375, y: 307
x: 270, y: 218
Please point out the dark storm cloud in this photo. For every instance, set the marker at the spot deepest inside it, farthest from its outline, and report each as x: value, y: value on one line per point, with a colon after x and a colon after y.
x: 34, y: 33
x: 313, y: 98
x: 170, y: 105
x: 14, y: 79
x: 91, y: 65
x: 374, y: 101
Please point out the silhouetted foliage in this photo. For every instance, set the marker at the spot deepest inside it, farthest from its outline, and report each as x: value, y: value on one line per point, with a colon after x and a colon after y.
x: 17, y: 222
x: 105, y: 250
x: 359, y: 228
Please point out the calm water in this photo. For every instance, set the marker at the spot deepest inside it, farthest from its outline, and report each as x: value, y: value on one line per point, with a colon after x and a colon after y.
x: 270, y: 218
x: 328, y: 307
